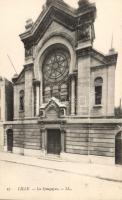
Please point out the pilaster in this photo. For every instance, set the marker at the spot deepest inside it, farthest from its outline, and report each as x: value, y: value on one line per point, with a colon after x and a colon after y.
x: 73, y: 93
x: 37, y: 97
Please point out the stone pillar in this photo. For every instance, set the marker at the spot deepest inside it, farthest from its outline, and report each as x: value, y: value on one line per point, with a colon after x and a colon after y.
x: 43, y: 139
x: 73, y: 94
x: 37, y: 99
x: 62, y: 141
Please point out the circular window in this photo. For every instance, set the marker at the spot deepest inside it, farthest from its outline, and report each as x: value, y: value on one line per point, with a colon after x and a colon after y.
x: 55, y: 67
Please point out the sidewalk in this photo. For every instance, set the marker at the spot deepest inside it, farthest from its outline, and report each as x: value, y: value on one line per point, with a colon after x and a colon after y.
x: 105, y: 172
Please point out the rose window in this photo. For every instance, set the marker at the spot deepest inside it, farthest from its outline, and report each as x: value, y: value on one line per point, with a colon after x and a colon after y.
x: 55, y: 67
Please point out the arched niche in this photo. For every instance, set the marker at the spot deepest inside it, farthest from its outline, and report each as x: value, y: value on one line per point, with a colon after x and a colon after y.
x: 43, y: 48
x: 118, y: 148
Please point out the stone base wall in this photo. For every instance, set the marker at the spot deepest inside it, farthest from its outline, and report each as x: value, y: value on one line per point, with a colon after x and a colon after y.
x: 82, y: 142
x: 94, y: 139
x: 27, y: 137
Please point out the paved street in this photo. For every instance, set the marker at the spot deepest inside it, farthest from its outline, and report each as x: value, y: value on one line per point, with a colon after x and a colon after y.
x: 19, y: 181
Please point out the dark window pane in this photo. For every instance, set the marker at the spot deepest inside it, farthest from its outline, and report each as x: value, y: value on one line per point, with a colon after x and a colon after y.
x: 98, y: 95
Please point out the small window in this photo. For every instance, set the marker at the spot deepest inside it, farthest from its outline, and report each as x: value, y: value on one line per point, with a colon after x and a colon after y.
x: 64, y: 92
x: 98, y: 90
x: 21, y: 99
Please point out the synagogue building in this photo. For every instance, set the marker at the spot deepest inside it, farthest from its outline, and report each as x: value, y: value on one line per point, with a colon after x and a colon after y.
x: 64, y: 95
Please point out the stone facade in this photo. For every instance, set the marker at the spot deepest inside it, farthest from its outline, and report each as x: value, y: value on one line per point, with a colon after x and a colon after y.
x: 6, y: 106
x: 64, y: 96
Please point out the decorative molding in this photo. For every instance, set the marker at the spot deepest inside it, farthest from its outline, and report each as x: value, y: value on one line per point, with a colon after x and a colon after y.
x: 60, y: 34
x: 28, y: 52
x: 84, y: 32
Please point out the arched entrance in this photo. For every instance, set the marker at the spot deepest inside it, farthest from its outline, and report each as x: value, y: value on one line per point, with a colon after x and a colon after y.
x: 9, y: 140
x: 118, y: 148
x: 53, y: 141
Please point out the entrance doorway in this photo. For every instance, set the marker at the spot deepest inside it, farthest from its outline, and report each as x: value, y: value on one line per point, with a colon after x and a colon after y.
x: 53, y: 141
x: 118, y: 148
x: 10, y: 140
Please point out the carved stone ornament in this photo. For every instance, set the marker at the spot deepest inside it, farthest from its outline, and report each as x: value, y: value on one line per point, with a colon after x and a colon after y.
x: 28, y: 52
x: 42, y: 113
x: 84, y: 32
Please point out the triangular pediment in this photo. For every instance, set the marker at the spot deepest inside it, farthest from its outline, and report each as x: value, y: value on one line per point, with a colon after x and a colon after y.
x: 20, y: 79
x: 60, y: 13
x: 55, y: 28
x: 99, y: 59
x: 96, y: 62
x: 53, y: 102
x: 52, y: 108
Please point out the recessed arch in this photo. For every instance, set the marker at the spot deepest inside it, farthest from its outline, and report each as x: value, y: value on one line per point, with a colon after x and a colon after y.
x: 9, y: 133
x: 118, y: 148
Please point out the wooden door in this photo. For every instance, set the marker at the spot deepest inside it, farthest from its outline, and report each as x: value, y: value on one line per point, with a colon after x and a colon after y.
x: 10, y: 141
x: 118, y: 149
x: 53, y: 141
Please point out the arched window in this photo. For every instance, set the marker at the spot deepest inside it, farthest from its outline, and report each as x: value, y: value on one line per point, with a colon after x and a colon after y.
x: 21, y: 100
x: 98, y: 90
x: 55, y: 73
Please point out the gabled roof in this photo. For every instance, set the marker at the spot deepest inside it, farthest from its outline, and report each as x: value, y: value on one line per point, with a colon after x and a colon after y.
x: 109, y: 59
x: 60, y: 12
x: 18, y: 79
x: 53, y: 101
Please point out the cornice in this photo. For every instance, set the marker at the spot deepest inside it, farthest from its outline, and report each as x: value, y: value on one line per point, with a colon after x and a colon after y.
x: 64, y: 15
x: 52, y: 13
x: 105, y: 59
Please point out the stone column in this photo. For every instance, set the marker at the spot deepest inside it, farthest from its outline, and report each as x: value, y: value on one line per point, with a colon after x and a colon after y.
x: 73, y: 94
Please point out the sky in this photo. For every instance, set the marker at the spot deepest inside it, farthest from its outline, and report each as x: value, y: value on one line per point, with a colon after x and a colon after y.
x: 14, y: 13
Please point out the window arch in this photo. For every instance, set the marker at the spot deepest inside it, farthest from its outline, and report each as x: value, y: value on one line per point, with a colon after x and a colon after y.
x: 21, y: 100
x: 98, y: 90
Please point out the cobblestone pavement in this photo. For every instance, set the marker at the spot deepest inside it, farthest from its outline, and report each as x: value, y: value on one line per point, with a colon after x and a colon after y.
x: 19, y: 181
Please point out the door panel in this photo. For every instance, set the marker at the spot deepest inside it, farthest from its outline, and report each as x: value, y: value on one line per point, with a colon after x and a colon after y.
x: 10, y: 141
x: 118, y: 149
x: 53, y: 141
